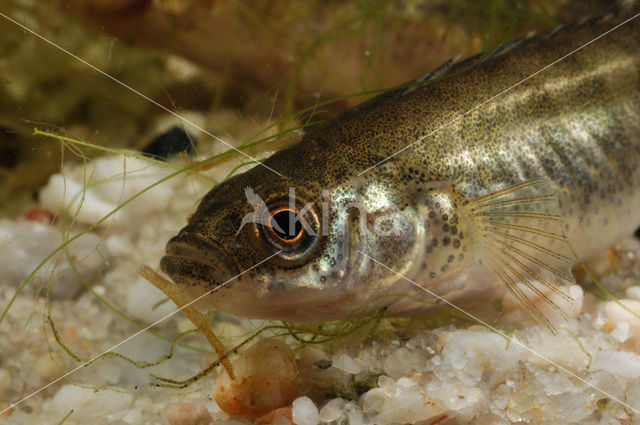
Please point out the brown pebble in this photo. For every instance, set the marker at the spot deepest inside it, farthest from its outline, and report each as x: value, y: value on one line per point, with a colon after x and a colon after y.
x: 266, y: 379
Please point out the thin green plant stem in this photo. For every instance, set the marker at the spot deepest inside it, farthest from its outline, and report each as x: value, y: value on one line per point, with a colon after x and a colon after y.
x: 120, y: 313
x: 94, y: 226
x: 608, y: 293
x: 584, y: 350
x: 71, y: 144
x: 63, y: 420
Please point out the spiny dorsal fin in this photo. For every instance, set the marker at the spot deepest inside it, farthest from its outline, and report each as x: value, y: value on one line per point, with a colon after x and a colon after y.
x: 521, y: 229
x: 455, y: 66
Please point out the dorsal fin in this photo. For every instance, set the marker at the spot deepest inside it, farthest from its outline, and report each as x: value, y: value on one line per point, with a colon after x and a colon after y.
x: 454, y: 66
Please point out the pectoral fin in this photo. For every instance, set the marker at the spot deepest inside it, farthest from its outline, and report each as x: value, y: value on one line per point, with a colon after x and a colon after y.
x: 521, y: 229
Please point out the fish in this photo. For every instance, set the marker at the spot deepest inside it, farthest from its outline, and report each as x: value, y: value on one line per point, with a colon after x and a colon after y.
x: 495, y: 173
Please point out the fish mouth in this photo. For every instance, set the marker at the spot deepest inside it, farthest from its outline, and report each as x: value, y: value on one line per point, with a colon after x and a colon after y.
x: 192, y: 260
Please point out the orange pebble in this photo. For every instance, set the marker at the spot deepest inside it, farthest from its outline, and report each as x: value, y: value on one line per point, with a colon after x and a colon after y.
x: 39, y: 214
x: 266, y: 379
x: 267, y: 419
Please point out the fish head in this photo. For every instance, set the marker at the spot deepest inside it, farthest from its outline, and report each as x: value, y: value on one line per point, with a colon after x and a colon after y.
x: 245, y: 248
x: 292, y: 250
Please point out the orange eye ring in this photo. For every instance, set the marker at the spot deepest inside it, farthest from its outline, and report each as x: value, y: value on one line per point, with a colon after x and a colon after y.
x: 287, y: 229
x: 281, y: 225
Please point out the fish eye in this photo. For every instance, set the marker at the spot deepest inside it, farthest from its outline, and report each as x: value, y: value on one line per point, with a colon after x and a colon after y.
x: 286, y: 225
x: 287, y: 229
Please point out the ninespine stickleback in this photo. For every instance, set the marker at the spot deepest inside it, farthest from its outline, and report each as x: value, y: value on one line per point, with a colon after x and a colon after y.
x: 435, y: 182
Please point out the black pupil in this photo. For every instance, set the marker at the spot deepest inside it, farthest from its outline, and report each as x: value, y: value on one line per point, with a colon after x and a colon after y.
x: 286, y: 225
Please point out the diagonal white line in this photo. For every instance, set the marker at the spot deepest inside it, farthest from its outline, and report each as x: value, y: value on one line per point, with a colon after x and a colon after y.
x: 498, y: 95
x: 498, y: 331
x: 133, y: 336
x: 112, y: 78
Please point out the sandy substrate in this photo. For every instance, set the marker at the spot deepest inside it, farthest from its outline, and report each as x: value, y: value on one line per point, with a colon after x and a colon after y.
x: 403, y: 372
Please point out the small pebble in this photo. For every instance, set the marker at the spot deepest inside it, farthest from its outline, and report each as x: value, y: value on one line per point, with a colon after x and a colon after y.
x: 266, y: 379
x: 345, y: 363
x: 355, y: 417
x: 48, y: 367
x: 570, y: 307
x: 633, y: 292
x: 305, y: 412
x: 187, y: 414
x: 332, y: 410
x: 38, y: 214
x: 625, y: 324
x: 170, y: 143
x: 133, y: 417
x: 323, y: 363
x: 616, y: 313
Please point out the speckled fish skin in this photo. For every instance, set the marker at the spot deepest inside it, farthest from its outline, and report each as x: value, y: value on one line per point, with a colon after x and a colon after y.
x: 485, y: 201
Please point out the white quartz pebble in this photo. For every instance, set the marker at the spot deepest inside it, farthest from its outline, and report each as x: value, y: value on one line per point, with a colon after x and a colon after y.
x: 624, y: 318
x: 633, y: 292
x: 332, y: 410
x: 345, y: 363
x: 305, y: 412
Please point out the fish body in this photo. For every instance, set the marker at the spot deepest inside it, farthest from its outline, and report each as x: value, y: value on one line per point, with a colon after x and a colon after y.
x: 484, y: 173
